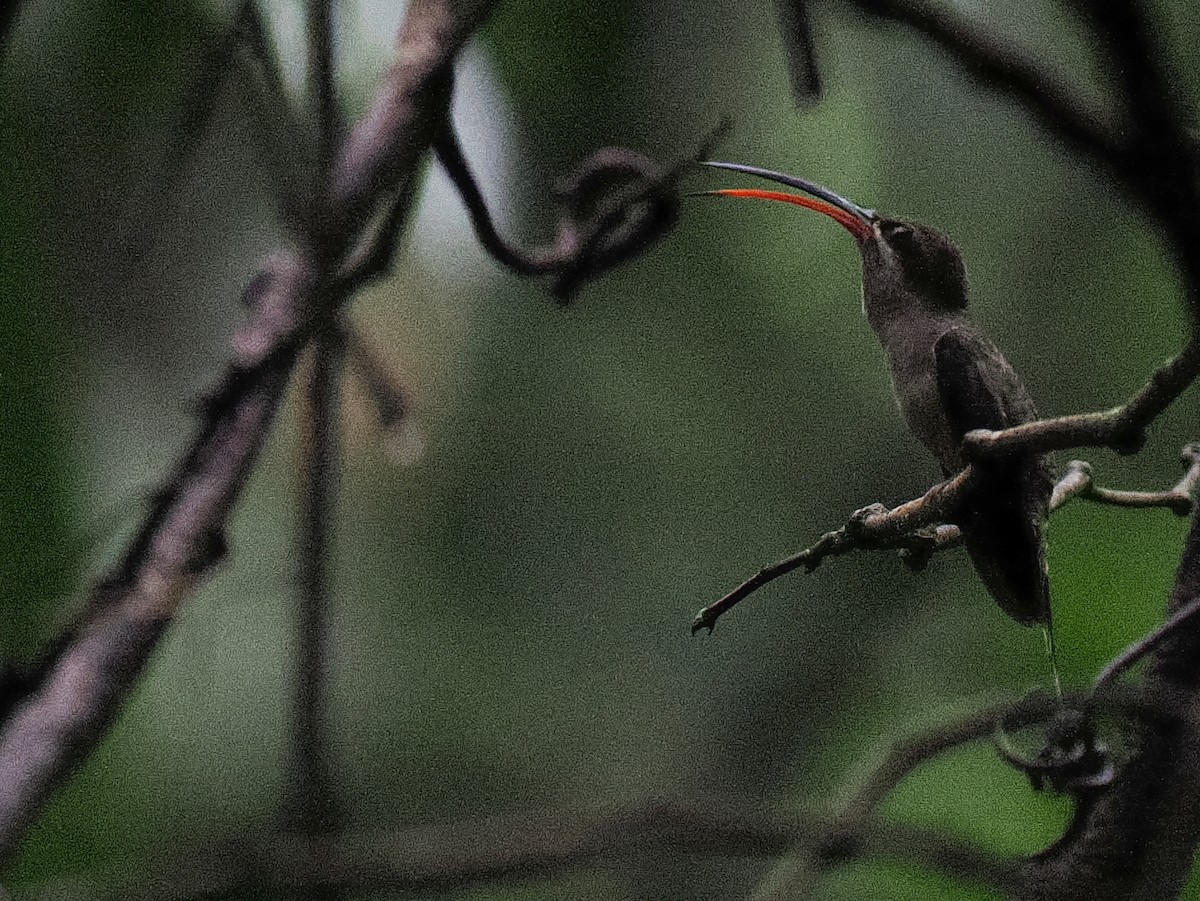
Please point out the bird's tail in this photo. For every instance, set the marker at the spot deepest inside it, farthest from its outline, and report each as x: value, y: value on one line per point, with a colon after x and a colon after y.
x: 1003, y: 529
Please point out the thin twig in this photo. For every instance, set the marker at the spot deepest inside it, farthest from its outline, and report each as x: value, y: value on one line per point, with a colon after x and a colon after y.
x: 1079, y: 482
x: 914, y: 528
x: 313, y: 808
x: 284, y: 148
x: 242, y: 55
x: 800, y: 872
x: 390, y: 399
x: 375, y: 253
x: 1161, y: 164
x: 913, y: 751
x: 872, y: 527
x: 617, y: 204
x: 538, y: 261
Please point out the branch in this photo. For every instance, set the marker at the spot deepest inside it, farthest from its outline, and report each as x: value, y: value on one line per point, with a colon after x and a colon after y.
x: 872, y: 527
x: 401, y: 434
x: 999, y: 63
x: 916, y: 530
x: 1154, y: 153
x: 1079, y: 482
x: 312, y: 805
x: 1137, y: 839
x: 618, y: 203
x: 284, y: 148
x: 910, y: 753
x: 243, y: 54
x: 320, y: 81
x: 1122, y: 428
x: 391, y: 401
x: 94, y: 665
x: 1161, y: 164
x: 91, y: 669
x: 799, y: 49
x: 375, y: 254
x: 1083, y: 772
x: 1137, y: 651
x: 435, y: 860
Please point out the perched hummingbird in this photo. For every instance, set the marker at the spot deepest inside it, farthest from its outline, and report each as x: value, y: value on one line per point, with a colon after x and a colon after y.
x: 948, y: 379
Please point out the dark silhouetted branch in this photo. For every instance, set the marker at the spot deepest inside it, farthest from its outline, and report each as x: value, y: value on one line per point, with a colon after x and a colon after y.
x: 312, y: 807
x: 312, y: 803
x: 617, y: 204
x: 320, y: 81
x: 1138, y: 651
x: 1147, y: 145
x: 1137, y: 839
x: 453, y: 857
x: 1001, y: 64
x: 799, y: 49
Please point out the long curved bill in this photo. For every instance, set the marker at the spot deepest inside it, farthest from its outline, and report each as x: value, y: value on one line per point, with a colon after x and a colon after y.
x: 849, y: 215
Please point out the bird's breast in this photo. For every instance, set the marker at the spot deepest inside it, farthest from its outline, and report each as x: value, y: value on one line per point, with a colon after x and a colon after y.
x: 913, y: 368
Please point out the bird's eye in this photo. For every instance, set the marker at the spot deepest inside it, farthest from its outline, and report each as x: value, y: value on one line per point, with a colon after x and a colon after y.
x: 896, y: 230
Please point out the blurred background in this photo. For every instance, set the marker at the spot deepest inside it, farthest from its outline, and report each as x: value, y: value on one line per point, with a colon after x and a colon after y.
x: 513, y: 605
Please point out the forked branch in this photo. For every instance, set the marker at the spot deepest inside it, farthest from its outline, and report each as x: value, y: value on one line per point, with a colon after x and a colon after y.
x: 91, y: 669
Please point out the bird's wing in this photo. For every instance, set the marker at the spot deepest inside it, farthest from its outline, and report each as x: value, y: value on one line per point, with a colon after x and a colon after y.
x: 1002, y: 520
x: 978, y: 389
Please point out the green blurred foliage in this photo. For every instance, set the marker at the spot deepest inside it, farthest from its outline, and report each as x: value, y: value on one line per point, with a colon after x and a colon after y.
x: 512, y: 611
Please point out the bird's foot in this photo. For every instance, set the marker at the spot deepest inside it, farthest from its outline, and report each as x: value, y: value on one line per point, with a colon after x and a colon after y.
x: 858, y: 519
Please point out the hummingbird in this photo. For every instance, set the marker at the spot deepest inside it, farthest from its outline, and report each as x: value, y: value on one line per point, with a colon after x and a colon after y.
x: 948, y: 379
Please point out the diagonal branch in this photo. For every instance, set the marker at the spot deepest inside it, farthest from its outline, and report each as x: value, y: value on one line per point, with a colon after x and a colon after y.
x: 1165, y: 747
x: 800, y: 50
x: 872, y: 527
x: 278, y: 131
x: 1121, y: 428
x: 91, y: 669
x: 1000, y: 63
x: 1146, y: 146
x: 1137, y: 839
